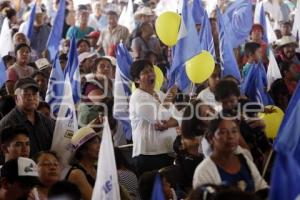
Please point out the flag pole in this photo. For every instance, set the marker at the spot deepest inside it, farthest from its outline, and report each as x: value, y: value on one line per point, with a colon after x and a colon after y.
x: 267, y: 163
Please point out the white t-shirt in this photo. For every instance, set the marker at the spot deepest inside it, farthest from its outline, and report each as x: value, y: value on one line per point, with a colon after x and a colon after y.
x: 144, y: 112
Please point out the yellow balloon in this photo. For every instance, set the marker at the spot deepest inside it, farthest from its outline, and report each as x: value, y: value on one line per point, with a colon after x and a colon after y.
x: 272, y: 121
x: 200, y: 67
x: 167, y: 26
x: 159, y: 78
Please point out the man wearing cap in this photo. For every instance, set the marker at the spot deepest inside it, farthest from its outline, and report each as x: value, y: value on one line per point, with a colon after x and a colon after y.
x: 287, y: 50
x: 93, y: 38
x: 142, y: 15
x: 39, y: 127
x: 112, y: 35
x: 18, y: 177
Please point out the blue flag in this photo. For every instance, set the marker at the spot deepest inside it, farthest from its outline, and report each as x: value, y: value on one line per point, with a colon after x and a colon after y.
x: 228, y: 63
x: 205, y: 35
x: 286, y: 170
x: 29, y: 28
x: 157, y: 192
x: 285, y: 178
x: 56, y: 31
x: 72, y: 68
x: 3, y: 76
x: 55, y: 89
x: 238, y: 20
x: 125, y: 60
x: 122, y: 89
x: 187, y: 47
x: 198, y: 11
x: 255, y: 85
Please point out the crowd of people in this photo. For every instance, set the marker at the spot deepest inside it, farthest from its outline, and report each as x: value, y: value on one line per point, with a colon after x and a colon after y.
x: 205, y: 143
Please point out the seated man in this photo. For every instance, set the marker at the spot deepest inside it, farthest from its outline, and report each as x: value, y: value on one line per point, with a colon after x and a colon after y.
x: 15, y: 142
x: 18, y: 177
x: 39, y: 127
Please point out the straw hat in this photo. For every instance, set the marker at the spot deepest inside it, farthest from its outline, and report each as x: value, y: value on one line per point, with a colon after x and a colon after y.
x: 143, y: 11
x: 82, y: 136
x: 285, y: 40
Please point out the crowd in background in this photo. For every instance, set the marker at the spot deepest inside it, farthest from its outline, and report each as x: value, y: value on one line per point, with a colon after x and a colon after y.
x: 172, y: 136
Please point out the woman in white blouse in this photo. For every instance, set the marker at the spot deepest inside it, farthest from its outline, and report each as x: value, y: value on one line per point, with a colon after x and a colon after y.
x: 153, y: 127
x: 225, y: 165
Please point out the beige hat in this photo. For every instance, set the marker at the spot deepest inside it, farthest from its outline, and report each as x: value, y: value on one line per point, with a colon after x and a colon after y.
x: 285, y: 40
x: 85, y: 55
x: 82, y: 136
x: 143, y: 11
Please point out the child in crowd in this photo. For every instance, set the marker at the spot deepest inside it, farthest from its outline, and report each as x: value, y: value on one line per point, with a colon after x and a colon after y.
x: 253, y: 54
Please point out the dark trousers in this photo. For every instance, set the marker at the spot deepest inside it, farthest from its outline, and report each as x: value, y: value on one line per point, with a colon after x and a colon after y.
x: 145, y: 163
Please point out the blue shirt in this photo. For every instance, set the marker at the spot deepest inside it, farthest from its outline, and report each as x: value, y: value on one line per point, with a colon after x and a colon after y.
x: 78, y: 32
x: 40, y: 37
x: 243, y: 178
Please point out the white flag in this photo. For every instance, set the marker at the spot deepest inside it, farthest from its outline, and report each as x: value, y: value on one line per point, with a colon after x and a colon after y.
x: 127, y: 17
x: 273, y: 70
x: 6, y: 39
x: 258, y: 6
x: 270, y: 31
x: 296, y: 26
x: 65, y: 127
x: 107, y: 184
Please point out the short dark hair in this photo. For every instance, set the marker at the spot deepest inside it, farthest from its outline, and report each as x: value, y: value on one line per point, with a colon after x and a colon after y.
x: 251, y: 48
x: 64, y: 189
x: 19, y: 46
x: 111, y: 12
x: 10, y: 13
x: 39, y: 154
x: 137, y: 67
x: 83, y: 40
x: 39, y: 73
x: 9, y: 133
x: 214, y: 125
x: 226, y: 88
